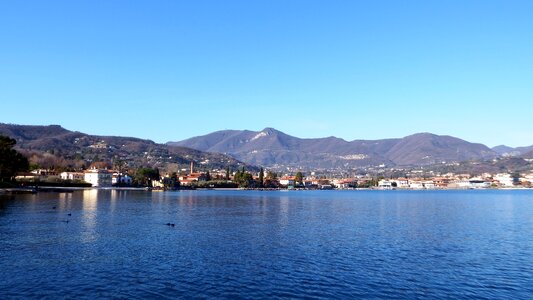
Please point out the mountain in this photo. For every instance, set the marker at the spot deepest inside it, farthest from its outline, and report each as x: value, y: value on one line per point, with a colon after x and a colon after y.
x: 274, y: 148
x: 426, y: 148
x: 509, y: 151
x: 528, y: 155
x: 503, y: 150
x: 73, y: 146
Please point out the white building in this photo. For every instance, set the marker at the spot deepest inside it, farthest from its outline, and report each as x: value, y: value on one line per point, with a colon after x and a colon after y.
x: 473, y: 183
x: 477, y: 183
x: 98, y: 177
x: 417, y: 185
x: 345, y: 183
x: 78, y: 176
x: 287, y: 180
x: 429, y: 185
x: 462, y: 183
x: 385, y: 184
x: 504, y: 179
x: 401, y: 183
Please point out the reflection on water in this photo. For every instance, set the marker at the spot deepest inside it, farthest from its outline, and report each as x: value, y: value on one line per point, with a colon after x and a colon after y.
x: 283, y: 211
x: 89, y: 215
x: 65, y: 201
x: 251, y: 244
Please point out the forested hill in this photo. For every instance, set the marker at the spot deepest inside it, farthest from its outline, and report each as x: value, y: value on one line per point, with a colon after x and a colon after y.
x: 54, y: 145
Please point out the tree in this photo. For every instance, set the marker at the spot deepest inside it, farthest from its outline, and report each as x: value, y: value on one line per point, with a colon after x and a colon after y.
x: 227, y: 173
x: 298, y: 179
x: 171, y: 182
x: 516, y: 177
x: 144, y: 176
x: 11, y: 161
x: 243, y: 178
x: 261, y: 177
x: 207, y: 176
x: 271, y: 175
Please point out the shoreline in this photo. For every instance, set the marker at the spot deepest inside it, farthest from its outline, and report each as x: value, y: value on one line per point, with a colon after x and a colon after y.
x: 60, y: 189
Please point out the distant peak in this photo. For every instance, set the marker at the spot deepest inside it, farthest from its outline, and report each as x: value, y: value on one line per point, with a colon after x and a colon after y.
x: 269, y: 130
x: 423, y: 134
x: 55, y: 126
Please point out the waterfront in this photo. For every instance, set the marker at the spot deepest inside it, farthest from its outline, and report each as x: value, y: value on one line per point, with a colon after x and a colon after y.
x: 252, y: 244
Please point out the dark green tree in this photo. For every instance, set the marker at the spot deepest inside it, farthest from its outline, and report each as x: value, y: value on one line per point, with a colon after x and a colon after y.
x: 516, y: 177
x: 144, y: 176
x: 243, y: 178
x: 261, y: 177
x: 172, y: 182
x: 299, y: 178
x: 11, y: 161
x: 207, y: 176
x: 227, y: 173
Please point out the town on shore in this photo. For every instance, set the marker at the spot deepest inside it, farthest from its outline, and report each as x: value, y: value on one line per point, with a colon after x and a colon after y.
x: 17, y: 172
x: 102, y: 176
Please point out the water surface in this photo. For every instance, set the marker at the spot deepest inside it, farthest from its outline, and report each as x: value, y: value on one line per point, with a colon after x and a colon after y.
x: 251, y: 244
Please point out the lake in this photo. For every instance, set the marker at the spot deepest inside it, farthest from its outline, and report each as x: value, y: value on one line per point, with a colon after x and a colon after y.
x: 281, y: 244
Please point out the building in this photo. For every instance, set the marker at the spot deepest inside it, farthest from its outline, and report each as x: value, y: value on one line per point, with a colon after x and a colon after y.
x: 505, y: 180
x: 429, y: 185
x: 401, y: 183
x: 121, y: 179
x: 477, y: 183
x: 28, y: 176
x: 99, y: 177
x: 74, y: 176
x: 385, y: 184
x: 287, y: 180
x: 441, y: 182
x: 416, y: 185
x: 471, y: 183
x: 192, y: 178
x: 345, y: 183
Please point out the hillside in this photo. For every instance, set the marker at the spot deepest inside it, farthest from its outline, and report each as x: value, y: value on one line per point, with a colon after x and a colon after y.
x: 510, y: 151
x: 82, y: 149
x: 271, y: 147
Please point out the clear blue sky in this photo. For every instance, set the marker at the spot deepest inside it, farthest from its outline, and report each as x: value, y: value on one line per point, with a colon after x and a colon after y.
x: 169, y: 70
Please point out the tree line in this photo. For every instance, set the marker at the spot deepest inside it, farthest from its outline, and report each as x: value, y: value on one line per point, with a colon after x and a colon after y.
x: 11, y: 161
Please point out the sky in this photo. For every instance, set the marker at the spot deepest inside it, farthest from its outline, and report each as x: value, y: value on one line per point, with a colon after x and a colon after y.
x: 170, y: 70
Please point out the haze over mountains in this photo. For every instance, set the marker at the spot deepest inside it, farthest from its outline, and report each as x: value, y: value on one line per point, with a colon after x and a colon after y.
x: 270, y: 147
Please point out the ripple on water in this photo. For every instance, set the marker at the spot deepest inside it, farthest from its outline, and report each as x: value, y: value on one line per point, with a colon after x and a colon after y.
x: 268, y: 245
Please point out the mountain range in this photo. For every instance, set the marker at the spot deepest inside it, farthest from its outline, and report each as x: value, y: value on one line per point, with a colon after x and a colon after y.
x: 54, y: 144
x: 272, y: 148
x: 269, y: 148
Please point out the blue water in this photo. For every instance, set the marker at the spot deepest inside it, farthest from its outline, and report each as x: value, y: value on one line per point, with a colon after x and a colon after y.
x: 250, y: 244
